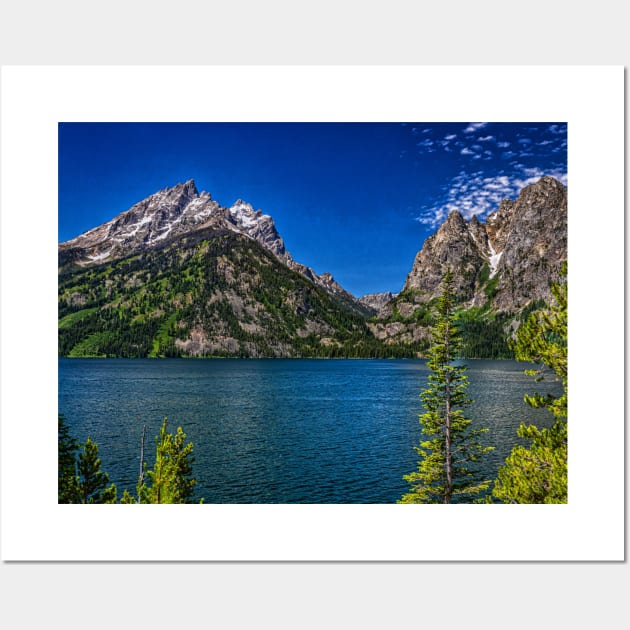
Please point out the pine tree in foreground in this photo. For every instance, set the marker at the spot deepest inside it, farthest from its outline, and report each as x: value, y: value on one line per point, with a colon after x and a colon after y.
x: 93, y: 481
x: 171, y: 479
x: 81, y: 479
x: 67, y: 449
x: 539, y: 473
x: 448, y: 469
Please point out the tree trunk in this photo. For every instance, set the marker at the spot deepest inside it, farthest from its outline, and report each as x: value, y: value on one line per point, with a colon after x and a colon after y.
x: 448, y: 490
x: 144, y: 431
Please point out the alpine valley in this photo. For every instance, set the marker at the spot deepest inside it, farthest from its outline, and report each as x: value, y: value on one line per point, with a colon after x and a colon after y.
x: 180, y: 275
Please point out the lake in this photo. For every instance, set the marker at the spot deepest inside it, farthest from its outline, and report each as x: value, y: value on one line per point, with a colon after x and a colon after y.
x: 283, y: 430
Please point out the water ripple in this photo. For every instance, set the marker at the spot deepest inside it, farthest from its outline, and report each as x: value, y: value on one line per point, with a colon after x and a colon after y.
x: 283, y: 431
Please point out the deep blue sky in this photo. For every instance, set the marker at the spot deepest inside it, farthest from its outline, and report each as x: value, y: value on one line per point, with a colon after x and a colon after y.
x: 354, y: 199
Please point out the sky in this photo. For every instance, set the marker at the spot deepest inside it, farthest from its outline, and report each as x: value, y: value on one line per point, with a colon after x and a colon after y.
x: 357, y: 200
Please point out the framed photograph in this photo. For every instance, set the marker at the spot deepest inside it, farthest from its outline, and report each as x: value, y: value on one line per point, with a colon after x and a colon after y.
x: 316, y: 305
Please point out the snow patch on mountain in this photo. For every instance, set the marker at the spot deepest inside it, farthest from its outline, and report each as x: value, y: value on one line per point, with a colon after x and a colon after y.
x: 493, y: 260
x: 101, y: 256
x: 245, y: 216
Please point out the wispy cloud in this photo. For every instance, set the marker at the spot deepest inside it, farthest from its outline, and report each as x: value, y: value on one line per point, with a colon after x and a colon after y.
x: 472, y: 127
x: 557, y: 129
x: 426, y: 146
x: 480, y: 194
x: 493, y: 164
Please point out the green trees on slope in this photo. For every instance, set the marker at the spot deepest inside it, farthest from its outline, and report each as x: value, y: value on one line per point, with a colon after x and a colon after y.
x: 447, y: 470
x: 81, y: 479
x: 539, y: 474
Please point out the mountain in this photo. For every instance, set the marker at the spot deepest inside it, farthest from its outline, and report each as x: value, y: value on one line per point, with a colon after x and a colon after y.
x: 163, y: 217
x: 530, y: 239
x: 502, y: 268
x: 172, y: 212
x: 179, y: 275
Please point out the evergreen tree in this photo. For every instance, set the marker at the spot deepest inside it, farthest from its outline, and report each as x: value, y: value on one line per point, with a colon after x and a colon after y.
x: 447, y: 470
x: 93, y: 481
x: 81, y: 479
x: 67, y: 448
x: 539, y: 474
x: 171, y: 479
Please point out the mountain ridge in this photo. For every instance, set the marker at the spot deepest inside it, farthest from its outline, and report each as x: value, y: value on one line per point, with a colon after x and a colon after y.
x: 501, y: 267
x: 172, y: 212
x: 171, y: 246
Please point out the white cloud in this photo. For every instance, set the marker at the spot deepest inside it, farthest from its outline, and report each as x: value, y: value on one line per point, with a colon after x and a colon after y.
x: 557, y: 129
x: 486, y: 139
x: 503, y: 145
x: 467, y: 151
x: 472, y: 127
x: 479, y: 194
x: 450, y: 137
x: 426, y: 146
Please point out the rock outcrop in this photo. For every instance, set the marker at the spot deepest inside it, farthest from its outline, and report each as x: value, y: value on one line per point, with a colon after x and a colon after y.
x: 502, y: 266
x: 522, y: 245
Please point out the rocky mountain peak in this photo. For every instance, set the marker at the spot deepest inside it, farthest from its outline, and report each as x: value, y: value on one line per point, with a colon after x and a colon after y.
x: 176, y: 211
x: 546, y: 189
x: 178, y: 195
x: 189, y: 187
x: 520, y: 242
x: 454, y: 245
x: 534, y: 244
x: 455, y: 219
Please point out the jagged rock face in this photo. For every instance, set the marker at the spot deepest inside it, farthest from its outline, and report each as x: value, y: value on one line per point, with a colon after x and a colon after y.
x: 172, y: 212
x: 165, y: 215
x: 535, y: 244
x: 498, y: 224
x: 454, y: 245
x: 507, y: 262
x: 376, y: 301
x: 480, y: 235
x: 258, y: 226
x: 148, y: 223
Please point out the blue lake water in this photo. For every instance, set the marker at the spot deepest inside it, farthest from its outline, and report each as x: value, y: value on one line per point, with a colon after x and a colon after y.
x: 283, y: 430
